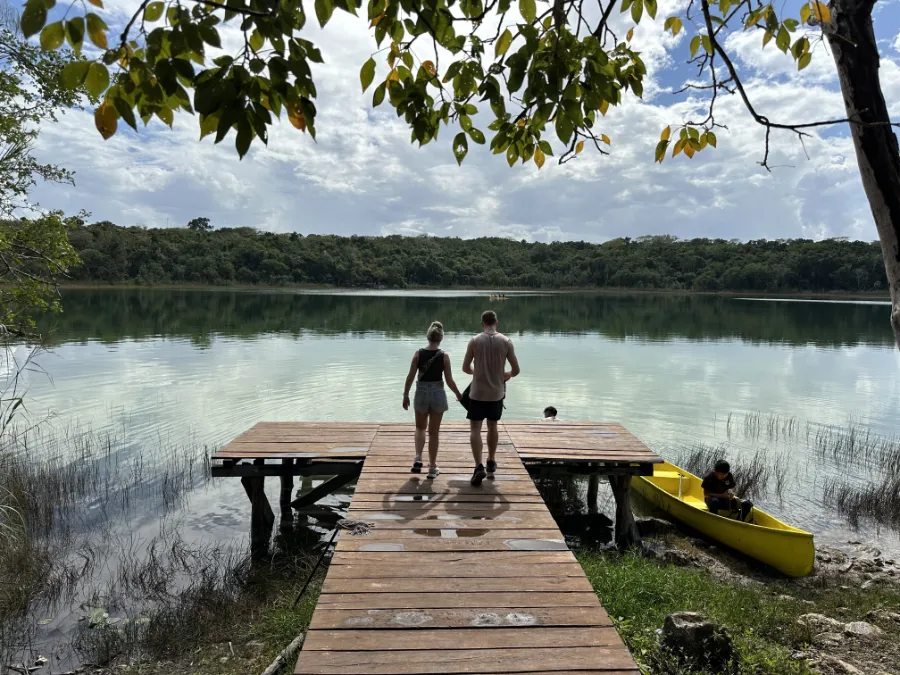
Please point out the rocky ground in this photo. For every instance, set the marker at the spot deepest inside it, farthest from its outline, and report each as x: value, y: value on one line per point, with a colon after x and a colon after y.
x: 841, y: 642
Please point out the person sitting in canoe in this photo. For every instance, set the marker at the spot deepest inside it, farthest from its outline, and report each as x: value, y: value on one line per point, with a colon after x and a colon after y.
x: 717, y: 492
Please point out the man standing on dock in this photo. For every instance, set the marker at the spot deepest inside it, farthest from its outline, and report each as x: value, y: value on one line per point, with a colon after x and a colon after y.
x: 490, y: 351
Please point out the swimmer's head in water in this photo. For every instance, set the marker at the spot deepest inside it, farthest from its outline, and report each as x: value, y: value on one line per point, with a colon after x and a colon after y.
x: 550, y: 411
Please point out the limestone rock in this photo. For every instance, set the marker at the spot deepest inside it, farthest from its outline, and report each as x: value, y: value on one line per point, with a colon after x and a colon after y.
x: 837, y: 665
x: 690, y: 636
x: 862, y: 629
x: 830, y: 639
x: 648, y: 527
x: 820, y: 622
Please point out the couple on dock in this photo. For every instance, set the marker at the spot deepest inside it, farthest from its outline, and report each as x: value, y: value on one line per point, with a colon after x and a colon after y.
x: 485, y: 360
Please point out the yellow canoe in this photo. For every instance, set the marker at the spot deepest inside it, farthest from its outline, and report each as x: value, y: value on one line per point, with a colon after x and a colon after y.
x: 678, y: 493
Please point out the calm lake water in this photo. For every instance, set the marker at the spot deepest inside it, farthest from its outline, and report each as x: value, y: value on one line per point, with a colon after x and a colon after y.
x: 188, y: 368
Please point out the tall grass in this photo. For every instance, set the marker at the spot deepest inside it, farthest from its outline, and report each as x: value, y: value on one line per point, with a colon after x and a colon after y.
x: 878, y: 501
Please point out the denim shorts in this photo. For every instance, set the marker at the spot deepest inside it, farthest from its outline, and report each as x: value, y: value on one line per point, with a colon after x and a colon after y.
x: 431, y: 397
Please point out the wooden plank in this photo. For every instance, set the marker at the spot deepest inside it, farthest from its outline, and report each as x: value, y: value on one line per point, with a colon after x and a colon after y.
x: 539, y: 522
x: 451, y: 508
x: 443, y: 557
x: 425, y: 570
x: 510, y: 660
x: 324, y: 448
x: 469, y: 586
x: 449, y: 531
x: 481, y: 617
x: 530, y: 543
x: 459, y: 639
x: 429, y: 600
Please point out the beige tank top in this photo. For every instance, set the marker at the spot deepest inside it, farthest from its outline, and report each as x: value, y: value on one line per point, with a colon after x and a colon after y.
x: 491, y: 350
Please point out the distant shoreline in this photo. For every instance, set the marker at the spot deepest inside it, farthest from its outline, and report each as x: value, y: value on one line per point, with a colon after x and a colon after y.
x: 811, y: 295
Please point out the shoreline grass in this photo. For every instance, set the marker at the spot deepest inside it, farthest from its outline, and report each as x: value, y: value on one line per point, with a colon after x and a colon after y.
x: 638, y: 592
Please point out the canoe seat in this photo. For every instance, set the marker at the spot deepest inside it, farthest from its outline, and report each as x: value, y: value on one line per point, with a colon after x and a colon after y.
x: 696, y: 503
x: 668, y: 481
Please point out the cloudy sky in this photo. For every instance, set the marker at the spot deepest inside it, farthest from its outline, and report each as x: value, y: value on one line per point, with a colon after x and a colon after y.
x: 362, y: 176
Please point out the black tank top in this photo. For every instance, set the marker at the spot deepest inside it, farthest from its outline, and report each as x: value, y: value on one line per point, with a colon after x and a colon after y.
x: 435, y: 371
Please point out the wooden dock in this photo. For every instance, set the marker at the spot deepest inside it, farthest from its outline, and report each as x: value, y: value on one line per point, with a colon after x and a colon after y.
x: 450, y: 578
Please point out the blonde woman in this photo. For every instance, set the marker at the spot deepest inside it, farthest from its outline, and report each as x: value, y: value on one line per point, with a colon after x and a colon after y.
x: 433, y: 367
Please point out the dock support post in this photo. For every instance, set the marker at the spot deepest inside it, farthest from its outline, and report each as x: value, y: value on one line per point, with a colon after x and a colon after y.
x: 627, y: 535
x: 287, y: 487
x: 262, y: 519
x: 592, y: 492
x: 326, y: 488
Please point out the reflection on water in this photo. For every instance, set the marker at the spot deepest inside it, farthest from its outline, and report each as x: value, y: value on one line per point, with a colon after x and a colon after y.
x: 200, y: 367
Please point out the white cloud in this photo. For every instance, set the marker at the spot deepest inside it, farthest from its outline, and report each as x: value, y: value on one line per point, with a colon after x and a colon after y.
x: 363, y: 176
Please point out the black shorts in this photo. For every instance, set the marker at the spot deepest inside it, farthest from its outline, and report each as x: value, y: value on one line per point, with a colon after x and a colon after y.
x: 485, y: 410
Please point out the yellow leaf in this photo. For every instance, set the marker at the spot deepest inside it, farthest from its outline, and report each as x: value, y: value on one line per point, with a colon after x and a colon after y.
x: 629, y: 34
x: 393, y: 76
x: 604, y: 106
x: 821, y: 11
x: 579, y: 147
x: 96, y: 3
x: 106, y: 119
x: 539, y: 157
x: 295, y: 115
x: 679, y: 146
x: 689, y: 150
x: 804, y: 13
x: 429, y: 68
x: 521, y: 123
x: 676, y: 27
x: 605, y: 139
x: 375, y: 21
x: 666, y: 133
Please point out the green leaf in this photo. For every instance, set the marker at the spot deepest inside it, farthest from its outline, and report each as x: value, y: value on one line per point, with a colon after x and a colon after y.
x: 661, y: 150
x: 695, y: 45
x: 465, y: 122
x: 244, y: 137
x: 75, y: 33
x: 460, y: 147
x: 73, y: 74
x: 625, y: 5
x: 804, y: 61
x: 783, y: 39
x: 97, y: 79
x: 34, y: 16
x: 503, y: 43
x: 637, y: 10
x: 96, y: 28
x: 476, y: 136
x: 210, y: 36
x: 651, y: 8
x: 154, y: 11
x: 125, y: 112
x: 711, y: 138
x: 564, y: 128
x: 378, y: 96
x: 367, y: 74
x: 324, y: 10
x: 256, y: 41
x: 528, y: 10
x: 208, y: 125
x: 512, y: 154
x: 707, y: 45
x: 546, y: 148
x: 53, y: 36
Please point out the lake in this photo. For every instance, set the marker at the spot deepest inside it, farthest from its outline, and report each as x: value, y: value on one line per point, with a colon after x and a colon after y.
x: 190, y: 368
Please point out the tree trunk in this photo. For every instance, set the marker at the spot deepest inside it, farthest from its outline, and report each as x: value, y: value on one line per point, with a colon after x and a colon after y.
x: 852, y: 41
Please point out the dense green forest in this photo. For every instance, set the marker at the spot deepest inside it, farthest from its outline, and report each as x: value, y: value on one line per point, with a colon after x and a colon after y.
x: 246, y: 256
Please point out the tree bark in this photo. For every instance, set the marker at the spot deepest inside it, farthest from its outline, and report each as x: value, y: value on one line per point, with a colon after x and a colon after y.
x: 852, y: 41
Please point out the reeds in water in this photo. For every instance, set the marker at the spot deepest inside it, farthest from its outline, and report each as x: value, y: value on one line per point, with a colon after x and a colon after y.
x: 755, y: 474
x: 878, y: 501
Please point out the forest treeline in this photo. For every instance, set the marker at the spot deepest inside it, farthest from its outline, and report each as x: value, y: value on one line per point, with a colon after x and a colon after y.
x: 114, y: 254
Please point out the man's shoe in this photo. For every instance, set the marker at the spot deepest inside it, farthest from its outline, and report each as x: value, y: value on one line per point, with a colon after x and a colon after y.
x: 478, y: 476
x: 491, y: 469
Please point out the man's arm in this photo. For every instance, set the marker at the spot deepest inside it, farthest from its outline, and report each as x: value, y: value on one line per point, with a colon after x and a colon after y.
x: 513, y: 363
x: 467, y: 360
